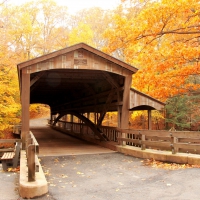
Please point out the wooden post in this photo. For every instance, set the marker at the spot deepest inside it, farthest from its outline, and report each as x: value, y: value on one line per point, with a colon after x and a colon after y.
x: 25, y: 101
x: 119, y: 116
x: 31, y: 163
x: 124, y: 121
x: 71, y: 120
x: 149, y: 120
x: 174, y: 141
x: 88, y: 115
x: 143, y: 147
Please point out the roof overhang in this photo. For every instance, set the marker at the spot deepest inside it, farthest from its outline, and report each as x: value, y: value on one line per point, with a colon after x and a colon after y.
x: 141, y: 101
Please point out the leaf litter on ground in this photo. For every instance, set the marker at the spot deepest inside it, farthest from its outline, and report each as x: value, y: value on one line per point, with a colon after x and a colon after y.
x: 168, y: 166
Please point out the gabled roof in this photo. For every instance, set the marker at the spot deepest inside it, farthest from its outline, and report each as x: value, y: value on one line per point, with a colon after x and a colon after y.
x: 73, y: 48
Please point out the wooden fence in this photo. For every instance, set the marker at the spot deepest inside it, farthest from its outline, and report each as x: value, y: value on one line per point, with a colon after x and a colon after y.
x: 174, y: 141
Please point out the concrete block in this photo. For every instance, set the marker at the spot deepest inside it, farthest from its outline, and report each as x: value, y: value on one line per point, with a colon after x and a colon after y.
x: 129, y: 150
x: 177, y: 158
x: 154, y: 154
x: 27, y: 189
x: 193, y: 159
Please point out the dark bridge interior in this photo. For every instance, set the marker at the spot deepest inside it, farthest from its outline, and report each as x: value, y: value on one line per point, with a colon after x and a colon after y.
x: 76, y: 90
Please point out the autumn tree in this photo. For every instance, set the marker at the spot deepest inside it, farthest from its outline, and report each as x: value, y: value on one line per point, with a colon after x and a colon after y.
x: 38, y: 27
x: 162, y: 40
x: 9, y: 93
x: 91, y: 23
x: 82, y: 33
x: 26, y: 31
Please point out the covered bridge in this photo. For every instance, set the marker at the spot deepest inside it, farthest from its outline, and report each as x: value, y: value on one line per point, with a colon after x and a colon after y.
x: 80, y: 79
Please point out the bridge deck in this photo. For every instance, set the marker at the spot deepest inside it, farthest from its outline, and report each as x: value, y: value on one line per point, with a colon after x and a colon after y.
x: 54, y: 143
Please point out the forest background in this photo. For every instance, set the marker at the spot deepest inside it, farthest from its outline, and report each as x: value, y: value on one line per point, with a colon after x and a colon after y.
x: 159, y: 37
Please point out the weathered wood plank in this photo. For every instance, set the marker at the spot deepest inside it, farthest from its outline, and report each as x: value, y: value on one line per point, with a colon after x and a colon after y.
x: 8, y: 156
x: 31, y: 163
x: 35, y: 143
x: 6, y: 149
x: 189, y: 140
x: 186, y: 134
x: 9, y: 140
x: 157, y: 144
x: 187, y: 146
x: 136, y: 141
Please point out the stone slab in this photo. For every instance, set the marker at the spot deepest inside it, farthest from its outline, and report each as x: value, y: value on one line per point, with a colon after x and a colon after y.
x: 31, y: 189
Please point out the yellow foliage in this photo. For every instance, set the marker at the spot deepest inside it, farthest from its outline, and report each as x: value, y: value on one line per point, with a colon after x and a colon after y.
x: 82, y: 33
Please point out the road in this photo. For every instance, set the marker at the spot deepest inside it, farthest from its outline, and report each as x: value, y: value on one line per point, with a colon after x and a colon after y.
x: 108, y: 176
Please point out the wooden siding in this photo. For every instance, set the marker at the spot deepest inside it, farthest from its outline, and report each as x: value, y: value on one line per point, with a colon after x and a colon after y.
x: 78, y: 59
x: 138, y: 99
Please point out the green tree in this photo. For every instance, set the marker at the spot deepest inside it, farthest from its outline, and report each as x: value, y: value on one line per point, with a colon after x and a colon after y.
x: 182, y: 111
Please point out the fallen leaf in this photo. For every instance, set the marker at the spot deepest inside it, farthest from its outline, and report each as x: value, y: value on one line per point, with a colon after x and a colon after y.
x: 79, y: 173
x: 169, y: 166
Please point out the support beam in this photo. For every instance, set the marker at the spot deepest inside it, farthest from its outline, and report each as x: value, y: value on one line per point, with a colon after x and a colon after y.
x: 25, y: 100
x: 36, y: 78
x: 110, y: 80
x: 149, y: 120
x: 125, y: 106
x: 124, y: 121
x: 92, y: 126
x: 106, y: 106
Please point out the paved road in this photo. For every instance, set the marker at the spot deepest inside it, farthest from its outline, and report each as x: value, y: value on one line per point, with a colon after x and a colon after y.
x: 115, y: 176
x: 108, y: 176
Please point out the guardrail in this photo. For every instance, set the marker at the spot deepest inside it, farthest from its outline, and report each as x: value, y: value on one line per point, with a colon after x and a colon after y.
x: 32, y: 151
x: 76, y: 128
x: 17, y: 129
x: 174, y: 141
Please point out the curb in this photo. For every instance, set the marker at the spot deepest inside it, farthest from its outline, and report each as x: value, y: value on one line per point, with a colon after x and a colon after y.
x: 31, y: 189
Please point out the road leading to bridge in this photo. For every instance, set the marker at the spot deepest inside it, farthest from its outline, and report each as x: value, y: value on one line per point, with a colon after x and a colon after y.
x: 54, y: 143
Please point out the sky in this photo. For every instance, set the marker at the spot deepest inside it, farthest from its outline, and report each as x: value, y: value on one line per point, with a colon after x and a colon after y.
x: 76, y: 5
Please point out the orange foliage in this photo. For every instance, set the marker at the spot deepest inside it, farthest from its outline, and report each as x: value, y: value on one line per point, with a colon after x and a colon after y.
x: 162, y: 40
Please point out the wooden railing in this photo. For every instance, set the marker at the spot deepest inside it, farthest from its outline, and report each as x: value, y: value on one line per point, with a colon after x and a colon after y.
x: 17, y: 129
x: 32, y: 151
x: 174, y: 141
x: 76, y: 128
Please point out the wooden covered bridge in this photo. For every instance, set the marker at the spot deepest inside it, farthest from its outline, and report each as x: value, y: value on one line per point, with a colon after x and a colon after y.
x: 80, y: 80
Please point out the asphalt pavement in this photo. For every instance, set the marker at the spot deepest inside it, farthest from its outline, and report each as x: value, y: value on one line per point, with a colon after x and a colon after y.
x: 112, y: 176
x: 107, y: 176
